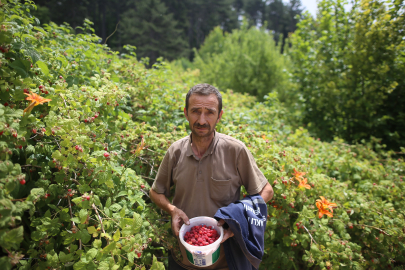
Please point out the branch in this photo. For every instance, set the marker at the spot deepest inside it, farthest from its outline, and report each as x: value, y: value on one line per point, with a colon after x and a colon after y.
x: 73, y: 224
x: 93, y: 178
x: 63, y: 99
x: 310, y: 235
x: 145, y: 193
x: 105, y: 42
x: 28, y: 165
x: 57, y: 144
x: 147, y: 178
x: 70, y: 211
x: 99, y: 218
x: 21, y: 200
x: 75, y: 181
x: 384, y: 232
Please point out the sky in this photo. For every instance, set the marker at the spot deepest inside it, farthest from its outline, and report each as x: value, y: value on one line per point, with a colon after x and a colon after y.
x: 309, y: 5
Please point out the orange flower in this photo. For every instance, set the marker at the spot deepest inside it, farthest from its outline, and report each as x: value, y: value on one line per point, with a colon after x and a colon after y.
x: 140, y: 147
x: 303, y: 183
x: 298, y: 175
x: 264, y: 137
x: 323, y: 207
x: 35, y: 100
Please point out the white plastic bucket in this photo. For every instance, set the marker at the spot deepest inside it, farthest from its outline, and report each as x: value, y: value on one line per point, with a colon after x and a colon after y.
x: 205, y: 255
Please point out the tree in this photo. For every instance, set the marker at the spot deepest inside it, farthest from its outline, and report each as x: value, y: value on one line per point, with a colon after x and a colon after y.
x: 148, y: 25
x: 204, y: 15
x: 281, y: 18
x: 350, y: 67
x: 246, y: 60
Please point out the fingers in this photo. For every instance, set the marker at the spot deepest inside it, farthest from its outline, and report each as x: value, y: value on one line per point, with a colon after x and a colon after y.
x: 178, y: 218
x: 184, y: 217
x: 227, y: 234
x: 221, y: 222
x: 175, y: 228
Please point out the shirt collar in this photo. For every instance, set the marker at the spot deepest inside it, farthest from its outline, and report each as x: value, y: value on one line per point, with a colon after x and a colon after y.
x: 210, y: 149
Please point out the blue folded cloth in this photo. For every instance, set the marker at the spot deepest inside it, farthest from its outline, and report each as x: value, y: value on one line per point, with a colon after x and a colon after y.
x: 247, y: 220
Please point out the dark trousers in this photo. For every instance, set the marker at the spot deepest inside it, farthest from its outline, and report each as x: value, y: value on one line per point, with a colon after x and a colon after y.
x: 173, y: 265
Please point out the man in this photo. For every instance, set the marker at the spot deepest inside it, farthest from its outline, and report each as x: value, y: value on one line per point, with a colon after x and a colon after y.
x: 208, y: 169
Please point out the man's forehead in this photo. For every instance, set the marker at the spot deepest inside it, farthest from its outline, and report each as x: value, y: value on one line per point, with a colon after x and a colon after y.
x: 198, y: 100
x: 196, y: 107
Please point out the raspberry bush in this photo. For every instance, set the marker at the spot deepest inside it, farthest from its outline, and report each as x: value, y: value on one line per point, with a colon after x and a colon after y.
x: 75, y: 170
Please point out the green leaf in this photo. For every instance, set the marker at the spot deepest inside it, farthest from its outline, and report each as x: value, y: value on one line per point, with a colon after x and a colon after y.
x: 91, y: 254
x: 80, y: 266
x: 109, y: 248
x: 137, y: 222
x: 115, y: 207
x: 36, y: 193
x: 20, y: 67
x: 63, y: 61
x: 63, y: 258
x: 33, y: 54
x: 83, y: 215
x: 77, y: 200
x: 97, y: 243
x: 13, y: 238
x: 104, y: 265
x: 72, y: 80
x: 85, y: 236
x: 131, y: 256
x: 75, y: 219
x: 110, y: 183
x: 117, y: 235
x: 43, y: 67
x: 91, y: 229
x: 30, y: 149
x: 108, y: 203
x: 52, y: 258
x: 156, y: 265
x: 5, y: 263
x: 122, y: 212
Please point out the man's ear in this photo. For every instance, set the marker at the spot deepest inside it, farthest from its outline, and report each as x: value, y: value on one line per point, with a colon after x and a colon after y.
x: 220, y: 115
x: 185, y: 113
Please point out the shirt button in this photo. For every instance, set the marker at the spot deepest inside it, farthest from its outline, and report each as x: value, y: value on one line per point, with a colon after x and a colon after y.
x: 200, y: 172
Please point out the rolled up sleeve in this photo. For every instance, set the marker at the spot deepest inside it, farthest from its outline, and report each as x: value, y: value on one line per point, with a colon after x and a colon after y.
x: 251, y: 176
x: 163, y: 180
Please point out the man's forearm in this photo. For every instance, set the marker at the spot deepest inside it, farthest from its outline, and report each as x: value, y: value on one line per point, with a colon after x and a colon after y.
x: 161, y: 201
x: 267, y: 192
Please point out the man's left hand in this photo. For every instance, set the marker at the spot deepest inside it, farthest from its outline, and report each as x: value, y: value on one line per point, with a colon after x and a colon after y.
x: 227, y: 232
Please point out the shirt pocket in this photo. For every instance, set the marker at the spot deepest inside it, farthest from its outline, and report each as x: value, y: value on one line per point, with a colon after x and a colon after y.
x: 220, y: 190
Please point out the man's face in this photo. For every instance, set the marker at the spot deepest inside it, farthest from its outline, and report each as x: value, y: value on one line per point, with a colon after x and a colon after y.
x: 202, y: 114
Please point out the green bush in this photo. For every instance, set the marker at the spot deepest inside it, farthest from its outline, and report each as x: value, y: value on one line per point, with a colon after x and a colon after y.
x: 76, y: 170
x: 246, y: 61
x: 349, y: 68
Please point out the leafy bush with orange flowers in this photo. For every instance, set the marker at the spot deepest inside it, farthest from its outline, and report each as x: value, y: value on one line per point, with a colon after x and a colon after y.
x: 75, y: 170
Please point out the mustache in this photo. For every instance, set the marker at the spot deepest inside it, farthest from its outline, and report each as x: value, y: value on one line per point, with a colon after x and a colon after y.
x: 196, y: 125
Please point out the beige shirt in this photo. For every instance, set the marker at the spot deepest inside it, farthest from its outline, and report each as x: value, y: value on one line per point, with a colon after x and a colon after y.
x: 203, y: 185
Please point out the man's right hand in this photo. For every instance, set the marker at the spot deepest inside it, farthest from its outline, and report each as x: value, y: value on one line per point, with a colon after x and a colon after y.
x: 178, y: 216
x: 178, y: 219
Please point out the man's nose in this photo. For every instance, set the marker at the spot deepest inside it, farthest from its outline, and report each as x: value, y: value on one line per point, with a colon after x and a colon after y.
x: 201, y: 119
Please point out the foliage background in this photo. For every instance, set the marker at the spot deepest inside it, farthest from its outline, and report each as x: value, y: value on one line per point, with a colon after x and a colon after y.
x: 89, y: 208
x: 188, y: 21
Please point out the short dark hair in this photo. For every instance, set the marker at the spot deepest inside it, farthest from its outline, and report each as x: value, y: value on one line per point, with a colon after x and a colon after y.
x: 204, y: 89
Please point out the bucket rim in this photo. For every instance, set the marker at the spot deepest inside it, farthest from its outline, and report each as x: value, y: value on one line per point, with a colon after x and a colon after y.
x: 192, y: 248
